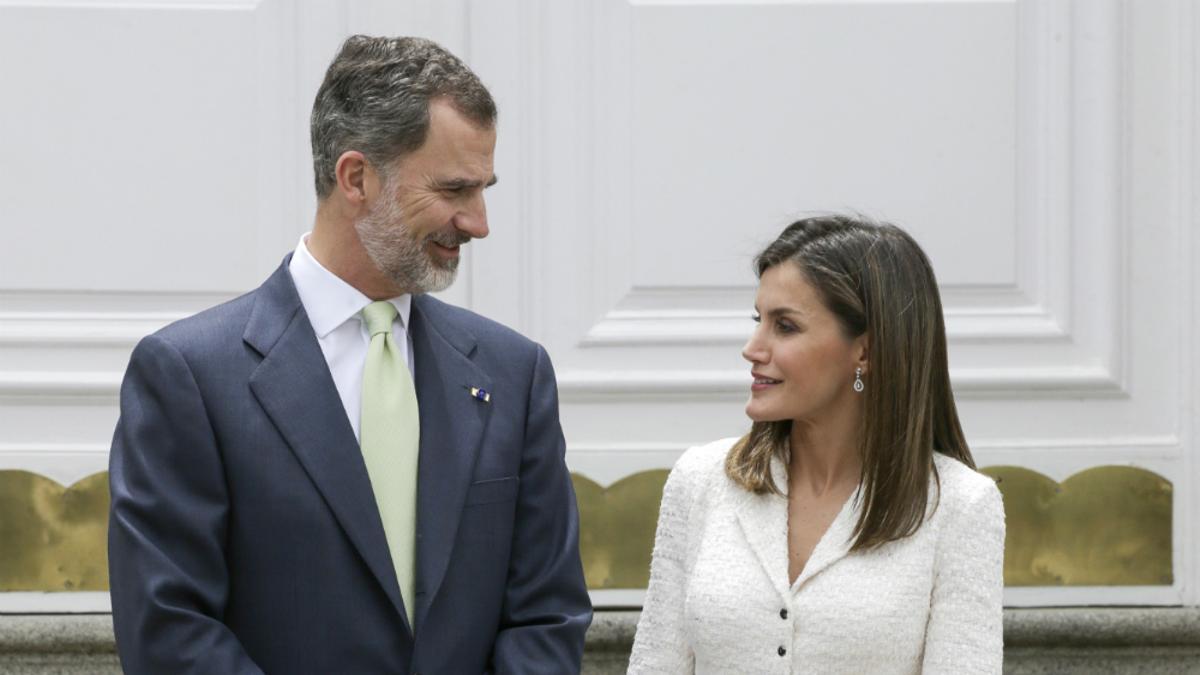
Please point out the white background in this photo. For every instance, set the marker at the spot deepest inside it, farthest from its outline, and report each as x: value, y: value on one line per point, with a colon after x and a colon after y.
x: 154, y: 160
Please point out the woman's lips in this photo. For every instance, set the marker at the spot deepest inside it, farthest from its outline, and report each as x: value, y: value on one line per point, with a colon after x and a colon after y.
x: 763, y: 383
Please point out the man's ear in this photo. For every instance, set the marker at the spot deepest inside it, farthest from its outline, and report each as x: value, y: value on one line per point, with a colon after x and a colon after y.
x: 354, y: 177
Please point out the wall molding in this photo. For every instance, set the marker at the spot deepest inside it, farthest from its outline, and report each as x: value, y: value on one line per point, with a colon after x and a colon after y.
x: 63, y: 602
x: 1070, y: 206
x: 188, y: 5
x: 583, y: 384
x: 81, y: 330
x: 64, y: 463
x: 70, y: 384
x: 1186, y: 212
x: 730, y: 328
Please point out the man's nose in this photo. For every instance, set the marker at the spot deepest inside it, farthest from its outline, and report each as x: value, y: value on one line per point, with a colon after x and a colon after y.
x: 472, y: 220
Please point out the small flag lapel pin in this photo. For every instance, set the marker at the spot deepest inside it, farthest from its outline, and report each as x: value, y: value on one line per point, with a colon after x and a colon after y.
x: 480, y: 395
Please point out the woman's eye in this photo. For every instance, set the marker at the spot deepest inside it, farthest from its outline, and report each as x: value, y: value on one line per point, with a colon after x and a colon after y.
x: 785, y: 327
x: 755, y: 318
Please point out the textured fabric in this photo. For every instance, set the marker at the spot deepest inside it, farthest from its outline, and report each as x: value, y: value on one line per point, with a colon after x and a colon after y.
x: 391, y: 438
x: 334, y: 308
x: 244, y: 537
x: 719, y: 600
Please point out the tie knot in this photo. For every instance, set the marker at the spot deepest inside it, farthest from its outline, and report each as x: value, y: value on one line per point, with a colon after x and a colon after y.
x: 379, y: 317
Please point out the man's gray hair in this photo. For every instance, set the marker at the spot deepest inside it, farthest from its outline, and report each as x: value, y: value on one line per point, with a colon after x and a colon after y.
x: 375, y: 99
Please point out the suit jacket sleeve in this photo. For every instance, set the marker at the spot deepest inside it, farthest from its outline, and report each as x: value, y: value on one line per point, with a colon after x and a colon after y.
x: 167, y: 523
x: 660, y: 644
x: 546, y: 607
x: 965, y: 629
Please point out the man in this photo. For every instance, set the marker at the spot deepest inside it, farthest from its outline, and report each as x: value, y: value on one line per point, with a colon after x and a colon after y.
x: 336, y: 473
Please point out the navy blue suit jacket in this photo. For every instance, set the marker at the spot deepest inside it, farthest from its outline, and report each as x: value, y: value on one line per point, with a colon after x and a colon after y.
x: 244, y: 536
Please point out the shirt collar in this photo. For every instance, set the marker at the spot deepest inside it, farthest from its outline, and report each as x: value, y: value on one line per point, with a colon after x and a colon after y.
x: 328, y: 300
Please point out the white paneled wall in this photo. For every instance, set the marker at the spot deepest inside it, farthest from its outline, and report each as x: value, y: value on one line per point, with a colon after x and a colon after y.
x: 154, y: 160
x: 1040, y: 151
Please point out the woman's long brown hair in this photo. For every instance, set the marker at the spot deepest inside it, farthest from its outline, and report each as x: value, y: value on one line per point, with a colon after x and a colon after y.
x: 876, y: 280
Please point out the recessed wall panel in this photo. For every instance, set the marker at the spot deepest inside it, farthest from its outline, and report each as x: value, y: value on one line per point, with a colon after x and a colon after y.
x: 746, y: 116
x: 131, y: 144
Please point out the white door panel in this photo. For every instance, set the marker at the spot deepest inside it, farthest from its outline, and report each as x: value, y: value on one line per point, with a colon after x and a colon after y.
x: 154, y: 160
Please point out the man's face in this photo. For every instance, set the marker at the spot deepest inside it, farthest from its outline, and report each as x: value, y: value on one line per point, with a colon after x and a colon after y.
x: 431, y: 202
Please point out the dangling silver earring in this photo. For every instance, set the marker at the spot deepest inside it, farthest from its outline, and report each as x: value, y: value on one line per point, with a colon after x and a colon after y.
x: 858, y: 383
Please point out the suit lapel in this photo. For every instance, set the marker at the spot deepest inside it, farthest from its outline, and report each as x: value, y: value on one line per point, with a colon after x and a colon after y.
x: 294, y: 387
x: 763, y: 520
x: 834, y: 544
x: 452, y: 424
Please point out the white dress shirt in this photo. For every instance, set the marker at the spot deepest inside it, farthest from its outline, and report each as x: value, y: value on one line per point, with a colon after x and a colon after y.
x: 720, y: 600
x: 334, y: 309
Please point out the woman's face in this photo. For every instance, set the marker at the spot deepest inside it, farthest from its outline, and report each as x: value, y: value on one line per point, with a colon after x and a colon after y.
x: 802, y: 363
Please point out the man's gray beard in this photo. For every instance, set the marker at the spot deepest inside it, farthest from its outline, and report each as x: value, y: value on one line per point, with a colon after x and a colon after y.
x: 397, y: 254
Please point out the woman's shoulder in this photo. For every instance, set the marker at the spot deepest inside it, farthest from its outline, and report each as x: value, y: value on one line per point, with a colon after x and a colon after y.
x: 692, y: 478
x: 701, y: 462
x: 960, y: 487
x: 699, y: 468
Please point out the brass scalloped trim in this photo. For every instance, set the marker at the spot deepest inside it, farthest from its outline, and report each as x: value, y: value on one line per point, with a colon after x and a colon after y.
x: 616, y: 528
x: 55, y: 538
x: 1105, y: 526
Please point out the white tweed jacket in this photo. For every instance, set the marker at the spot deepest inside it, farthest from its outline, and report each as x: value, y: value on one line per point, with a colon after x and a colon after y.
x: 719, y: 600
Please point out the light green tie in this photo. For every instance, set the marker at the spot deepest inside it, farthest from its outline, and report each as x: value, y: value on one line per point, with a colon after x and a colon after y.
x: 391, y: 438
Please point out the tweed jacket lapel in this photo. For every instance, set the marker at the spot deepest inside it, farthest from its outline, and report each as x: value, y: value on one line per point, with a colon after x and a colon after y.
x: 763, y: 519
x: 834, y: 544
x: 764, y: 522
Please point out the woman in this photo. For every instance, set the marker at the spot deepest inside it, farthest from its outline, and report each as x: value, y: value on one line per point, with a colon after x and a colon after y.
x: 848, y: 531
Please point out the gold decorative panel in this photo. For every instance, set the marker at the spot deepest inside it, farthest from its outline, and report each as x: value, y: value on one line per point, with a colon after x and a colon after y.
x: 53, y: 538
x: 1106, y: 526
x: 617, y: 528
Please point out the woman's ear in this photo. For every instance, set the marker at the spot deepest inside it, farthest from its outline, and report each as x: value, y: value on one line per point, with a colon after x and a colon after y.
x: 862, y: 352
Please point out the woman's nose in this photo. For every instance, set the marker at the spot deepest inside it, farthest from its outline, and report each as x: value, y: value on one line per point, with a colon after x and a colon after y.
x: 754, y: 351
